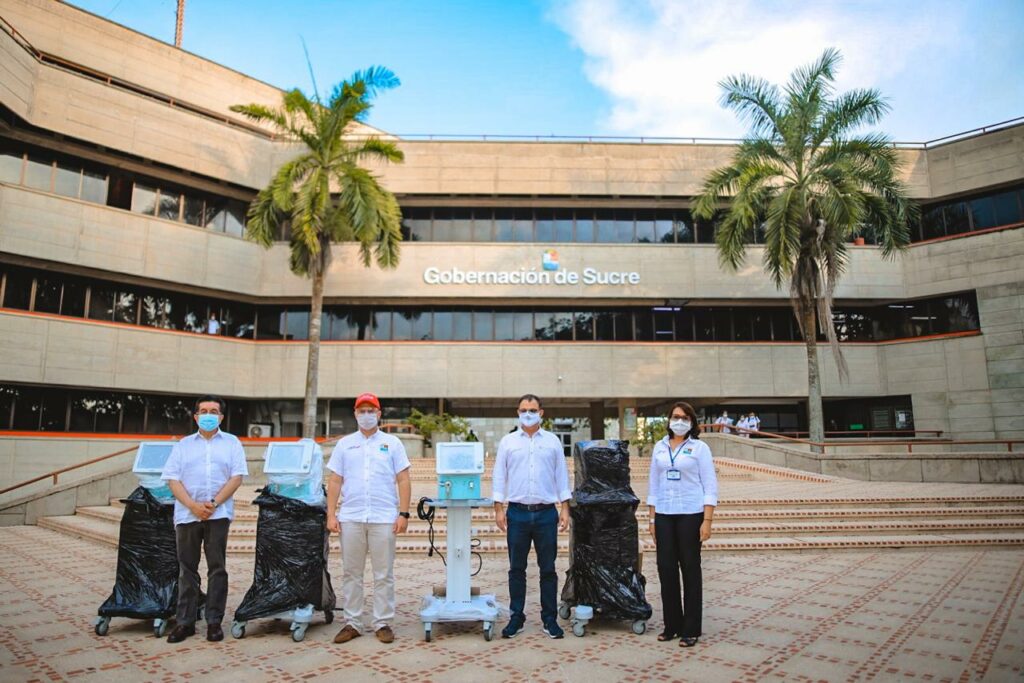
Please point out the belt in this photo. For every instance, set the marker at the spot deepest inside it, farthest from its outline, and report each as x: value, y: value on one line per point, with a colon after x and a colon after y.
x: 532, y: 507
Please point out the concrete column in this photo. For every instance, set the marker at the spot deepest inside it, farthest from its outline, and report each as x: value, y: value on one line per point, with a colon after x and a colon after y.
x: 627, y: 418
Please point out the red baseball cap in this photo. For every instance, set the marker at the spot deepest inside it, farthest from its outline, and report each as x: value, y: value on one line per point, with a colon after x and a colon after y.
x: 368, y: 398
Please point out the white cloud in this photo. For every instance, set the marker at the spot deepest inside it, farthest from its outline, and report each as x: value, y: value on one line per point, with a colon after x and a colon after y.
x: 660, y: 61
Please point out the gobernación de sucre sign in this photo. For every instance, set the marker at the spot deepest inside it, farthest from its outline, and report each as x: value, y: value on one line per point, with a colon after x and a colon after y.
x: 550, y: 274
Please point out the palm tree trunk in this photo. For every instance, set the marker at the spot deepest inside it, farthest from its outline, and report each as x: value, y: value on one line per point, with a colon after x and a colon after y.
x: 313, y: 364
x: 815, y: 416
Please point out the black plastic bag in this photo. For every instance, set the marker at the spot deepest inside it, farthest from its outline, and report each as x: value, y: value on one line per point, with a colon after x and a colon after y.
x: 604, y: 549
x: 292, y: 546
x: 146, y: 586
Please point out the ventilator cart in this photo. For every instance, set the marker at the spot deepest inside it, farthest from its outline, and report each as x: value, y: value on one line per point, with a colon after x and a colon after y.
x: 459, y: 470
x: 290, y: 578
x: 146, y: 585
x: 604, y: 577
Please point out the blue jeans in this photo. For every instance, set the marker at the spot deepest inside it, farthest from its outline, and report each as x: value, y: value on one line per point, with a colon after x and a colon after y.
x: 541, y: 528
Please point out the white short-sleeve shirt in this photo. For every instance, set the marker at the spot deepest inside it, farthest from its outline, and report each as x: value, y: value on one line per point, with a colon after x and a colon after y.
x: 203, y: 466
x: 695, y: 485
x: 368, y: 467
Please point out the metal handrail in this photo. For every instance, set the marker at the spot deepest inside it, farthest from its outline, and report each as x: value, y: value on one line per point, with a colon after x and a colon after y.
x: 873, y: 442
x: 55, y: 474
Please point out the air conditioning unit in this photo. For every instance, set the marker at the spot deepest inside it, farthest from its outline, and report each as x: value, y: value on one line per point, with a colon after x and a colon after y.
x: 260, y: 430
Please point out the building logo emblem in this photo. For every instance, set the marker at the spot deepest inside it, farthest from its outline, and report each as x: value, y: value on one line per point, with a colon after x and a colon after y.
x: 549, y: 260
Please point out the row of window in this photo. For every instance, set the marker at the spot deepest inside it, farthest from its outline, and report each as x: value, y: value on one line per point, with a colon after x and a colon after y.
x: 69, y: 176
x: 48, y: 292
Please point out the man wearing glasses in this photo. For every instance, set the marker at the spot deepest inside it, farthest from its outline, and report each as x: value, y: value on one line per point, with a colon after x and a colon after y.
x: 365, y: 469
x: 203, y: 472
x: 531, y: 476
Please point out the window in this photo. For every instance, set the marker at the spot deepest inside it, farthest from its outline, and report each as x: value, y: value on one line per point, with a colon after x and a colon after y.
x: 67, y: 181
x: 270, y: 323
x: 48, y: 289
x: 462, y: 325
x: 522, y: 225
x: 584, y: 324
x: 298, y: 324
x: 39, y: 173
x: 144, y: 199
x: 18, y: 289
x: 94, y: 186
x: 664, y: 324
x: 11, y: 161
x: 483, y: 325
x: 553, y: 326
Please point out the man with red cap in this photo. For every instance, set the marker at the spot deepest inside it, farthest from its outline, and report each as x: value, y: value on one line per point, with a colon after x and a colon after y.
x: 365, y: 469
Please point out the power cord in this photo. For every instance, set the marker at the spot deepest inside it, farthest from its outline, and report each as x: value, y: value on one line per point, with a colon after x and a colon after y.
x: 425, y: 511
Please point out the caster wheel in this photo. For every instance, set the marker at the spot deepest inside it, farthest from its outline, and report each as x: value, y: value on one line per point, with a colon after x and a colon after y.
x: 579, y: 630
x: 488, y: 632
x: 298, y: 634
x: 160, y: 628
x: 563, y: 611
x: 238, y: 629
x: 426, y: 634
x: 639, y: 627
x: 102, y: 626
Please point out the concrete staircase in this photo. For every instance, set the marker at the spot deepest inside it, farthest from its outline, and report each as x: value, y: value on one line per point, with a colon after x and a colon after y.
x: 762, y: 508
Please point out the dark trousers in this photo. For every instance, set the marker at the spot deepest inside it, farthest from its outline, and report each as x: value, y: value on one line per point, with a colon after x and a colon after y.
x: 540, y: 528
x: 678, y: 539
x: 212, y: 535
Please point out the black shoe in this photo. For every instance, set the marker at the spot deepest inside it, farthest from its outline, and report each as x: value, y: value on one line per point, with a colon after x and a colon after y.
x: 687, y: 641
x: 553, y: 630
x: 513, y: 628
x: 214, y: 633
x: 181, y: 632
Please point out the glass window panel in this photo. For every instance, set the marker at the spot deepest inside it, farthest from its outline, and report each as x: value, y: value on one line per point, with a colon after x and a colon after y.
x: 483, y: 225
x: 722, y: 320
x: 420, y: 229
x: 236, y: 320
x: 483, y: 325
x: 684, y: 325
x: 623, y: 326
x: 8, y: 395
x: 522, y: 225
x: 442, y: 230
x: 195, y: 210
x: 170, y: 204
x: 11, y: 161
x: 143, y: 199
x: 18, y: 290
x: 624, y: 229
x: 55, y: 411
x: 1005, y: 208
x: 684, y: 227
x: 784, y: 326
x: 73, y: 299
x: 216, y: 215
x: 133, y: 412
x: 933, y: 223
x: 298, y: 324
x: 101, y: 302
x: 381, y: 324
x: 761, y: 324
x: 664, y: 324
x: 545, y: 225
x: 27, y: 407
x: 460, y: 225
x: 125, y: 307
x: 47, y: 293
x: 563, y: 225
x: 742, y: 324
x: 584, y: 226
x: 705, y: 231
x: 443, y: 325
x: 983, y: 212
x: 604, y: 325
x: 957, y: 221
x: 270, y: 323
x: 584, y: 323
x: 956, y: 313
x: 401, y: 324
x: 94, y: 186
x: 646, y: 230
x: 644, y: 321
x: 504, y: 325
x: 234, y: 218
x: 554, y: 326
x: 67, y: 181
x: 39, y: 173
x: 462, y: 325
x: 704, y: 326
x: 503, y: 219
x: 158, y: 310
x: 169, y: 415
x: 522, y: 326
x: 421, y: 324
x: 605, y: 224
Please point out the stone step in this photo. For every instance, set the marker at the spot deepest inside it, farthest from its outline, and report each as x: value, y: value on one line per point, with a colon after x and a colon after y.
x: 106, y: 532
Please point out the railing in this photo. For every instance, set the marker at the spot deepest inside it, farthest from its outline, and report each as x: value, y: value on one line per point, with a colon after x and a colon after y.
x: 869, y: 442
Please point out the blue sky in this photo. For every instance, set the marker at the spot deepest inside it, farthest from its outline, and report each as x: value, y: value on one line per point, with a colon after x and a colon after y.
x: 611, y: 67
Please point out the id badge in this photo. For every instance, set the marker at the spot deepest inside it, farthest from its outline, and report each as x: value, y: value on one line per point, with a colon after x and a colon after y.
x: 673, y: 475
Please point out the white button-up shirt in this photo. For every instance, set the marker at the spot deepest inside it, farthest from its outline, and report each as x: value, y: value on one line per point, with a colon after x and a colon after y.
x: 203, y: 466
x: 697, y: 485
x: 530, y: 469
x: 368, y: 467
x: 726, y: 422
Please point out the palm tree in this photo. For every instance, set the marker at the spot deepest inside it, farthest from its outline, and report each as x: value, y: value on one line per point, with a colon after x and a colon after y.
x: 326, y: 194
x: 806, y: 180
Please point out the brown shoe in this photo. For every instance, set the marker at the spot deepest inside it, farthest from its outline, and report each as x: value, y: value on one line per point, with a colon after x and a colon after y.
x: 214, y: 633
x: 181, y: 632
x: 346, y: 634
x: 385, y: 634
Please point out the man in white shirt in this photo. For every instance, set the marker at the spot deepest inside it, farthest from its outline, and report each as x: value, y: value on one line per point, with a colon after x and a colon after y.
x: 753, y: 422
x: 213, y: 325
x: 725, y: 421
x: 742, y: 425
x: 531, y: 476
x: 364, y: 470
x: 203, y: 472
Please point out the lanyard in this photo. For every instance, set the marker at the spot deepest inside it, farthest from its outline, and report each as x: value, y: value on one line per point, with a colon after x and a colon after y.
x: 672, y: 456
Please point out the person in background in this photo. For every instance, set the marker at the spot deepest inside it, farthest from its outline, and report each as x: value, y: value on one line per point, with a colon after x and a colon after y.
x: 203, y: 472
x: 725, y: 421
x: 531, y: 477
x: 753, y: 422
x: 682, y: 495
x: 741, y: 426
x: 212, y: 324
x: 369, y: 470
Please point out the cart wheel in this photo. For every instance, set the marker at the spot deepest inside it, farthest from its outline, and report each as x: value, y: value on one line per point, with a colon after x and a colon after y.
x: 298, y: 633
x: 488, y: 631
x: 238, y: 629
x: 329, y: 615
x: 102, y: 626
x: 160, y: 627
x: 563, y: 610
x: 639, y: 627
x: 579, y: 630
x: 426, y: 632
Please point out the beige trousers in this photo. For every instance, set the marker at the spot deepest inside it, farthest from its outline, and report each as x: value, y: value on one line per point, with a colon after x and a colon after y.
x: 358, y: 539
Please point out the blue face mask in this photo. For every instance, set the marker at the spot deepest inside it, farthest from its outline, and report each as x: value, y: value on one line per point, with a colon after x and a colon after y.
x: 529, y: 419
x: 208, y: 422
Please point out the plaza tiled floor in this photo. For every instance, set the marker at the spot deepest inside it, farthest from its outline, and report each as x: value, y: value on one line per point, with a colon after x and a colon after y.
x: 948, y: 614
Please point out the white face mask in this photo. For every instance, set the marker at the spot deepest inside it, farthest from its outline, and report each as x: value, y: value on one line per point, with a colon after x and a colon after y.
x: 680, y: 427
x: 529, y: 419
x: 367, y: 421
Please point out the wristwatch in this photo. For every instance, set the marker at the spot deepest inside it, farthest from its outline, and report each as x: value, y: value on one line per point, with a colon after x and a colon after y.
x: 404, y: 514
